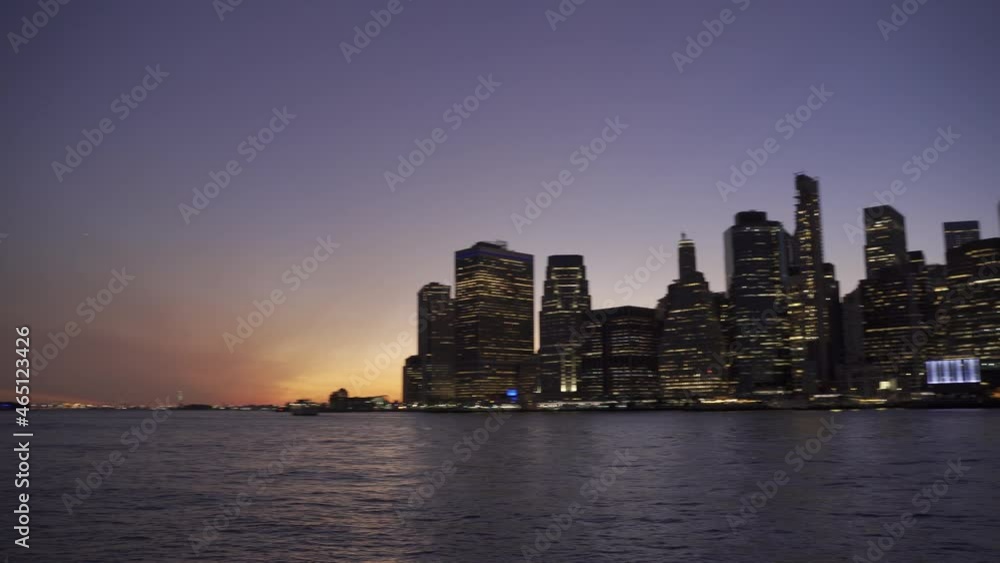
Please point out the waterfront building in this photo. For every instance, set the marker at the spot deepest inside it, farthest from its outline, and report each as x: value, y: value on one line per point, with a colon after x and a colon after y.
x: 494, y: 319
x: 565, y: 302
x: 757, y: 273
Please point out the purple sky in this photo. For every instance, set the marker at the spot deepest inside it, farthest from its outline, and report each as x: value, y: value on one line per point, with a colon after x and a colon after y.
x: 323, y: 174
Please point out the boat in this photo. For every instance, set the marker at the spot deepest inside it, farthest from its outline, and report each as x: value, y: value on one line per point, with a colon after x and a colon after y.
x: 303, y: 407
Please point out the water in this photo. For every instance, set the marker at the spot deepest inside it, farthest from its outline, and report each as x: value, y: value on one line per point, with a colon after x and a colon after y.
x: 350, y: 491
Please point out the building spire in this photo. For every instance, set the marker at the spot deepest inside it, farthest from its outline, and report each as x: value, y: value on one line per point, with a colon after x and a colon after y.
x: 686, y: 261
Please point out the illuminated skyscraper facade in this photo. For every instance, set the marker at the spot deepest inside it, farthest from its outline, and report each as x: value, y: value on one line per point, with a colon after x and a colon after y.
x: 885, y: 239
x: 756, y: 270
x: 809, y: 323
x: 494, y: 319
x: 891, y: 301
x: 970, y: 309
x: 692, y: 339
x: 436, y: 341
x: 565, y: 302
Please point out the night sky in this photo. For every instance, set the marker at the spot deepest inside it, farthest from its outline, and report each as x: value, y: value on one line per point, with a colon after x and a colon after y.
x: 323, y: 174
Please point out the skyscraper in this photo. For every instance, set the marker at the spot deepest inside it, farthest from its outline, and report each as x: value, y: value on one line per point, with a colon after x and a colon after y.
x: 809, y: 322
x: 494, y: 319
x: 970, y: 309
x: 436, y: 341
x: 885, y: 239
x: 891, y: 303
x: 692, y: 340
x: 756, y: 270
x: 413, y: 384
x: 619, y: 354
x: 957, y: 233
x: 854, y: 379
x: 565, y: 302
x: 835, y: 314
x: 687, y: 263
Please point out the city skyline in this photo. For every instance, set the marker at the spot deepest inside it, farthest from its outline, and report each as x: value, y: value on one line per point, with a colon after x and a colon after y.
x: 76, y: 236
x: 757, y: 339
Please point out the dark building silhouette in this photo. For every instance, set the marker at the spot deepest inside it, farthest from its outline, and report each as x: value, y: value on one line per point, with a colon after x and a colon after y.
x: 835, y: 333
x: 341, y: 401
x: 565, y: 302
x: 692, y: 339
x: 756, y: 270
x: 619, y: 354
x: 528, y: 381
x: 494, y: 319
x: 853, y: 371
x: 436, y: 341
x: 958, y: 233
x: 413, y: 381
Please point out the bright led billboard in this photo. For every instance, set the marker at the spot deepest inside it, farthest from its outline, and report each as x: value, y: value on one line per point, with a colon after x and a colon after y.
x: 965, y: 370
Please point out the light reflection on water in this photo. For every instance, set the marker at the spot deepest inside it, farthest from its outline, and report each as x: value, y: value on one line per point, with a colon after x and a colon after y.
x: 357, y: 491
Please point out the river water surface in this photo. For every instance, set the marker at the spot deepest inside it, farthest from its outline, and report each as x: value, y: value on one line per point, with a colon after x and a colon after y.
x: 579, y: 487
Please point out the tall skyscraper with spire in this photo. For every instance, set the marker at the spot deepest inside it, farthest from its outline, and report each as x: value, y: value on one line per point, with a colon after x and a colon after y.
x: 691, y: 344
x: 494, y: 319
x: 808, y: 314
x: 687, y: 263
x: 565, y: 303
